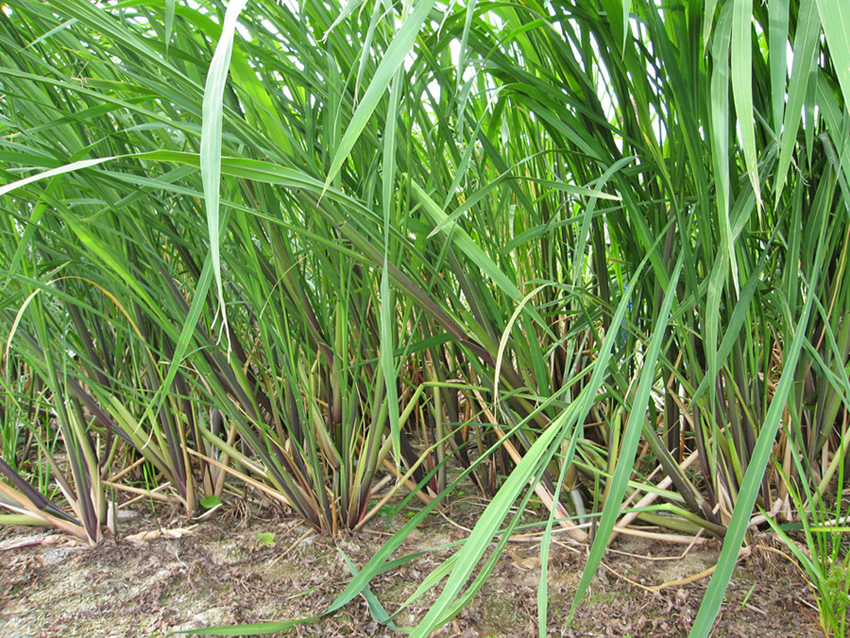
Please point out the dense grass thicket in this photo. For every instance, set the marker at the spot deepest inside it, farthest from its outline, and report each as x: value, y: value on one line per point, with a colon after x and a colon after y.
x: 588, y: 253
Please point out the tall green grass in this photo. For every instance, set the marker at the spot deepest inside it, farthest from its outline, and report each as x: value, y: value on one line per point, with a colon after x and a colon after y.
x: 299, y: 245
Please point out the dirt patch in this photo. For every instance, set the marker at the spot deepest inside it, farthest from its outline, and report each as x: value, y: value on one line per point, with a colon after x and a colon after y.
x: 220, y: 572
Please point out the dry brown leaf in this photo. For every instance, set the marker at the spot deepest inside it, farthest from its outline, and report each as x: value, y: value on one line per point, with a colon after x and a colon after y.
x: 174, y: 532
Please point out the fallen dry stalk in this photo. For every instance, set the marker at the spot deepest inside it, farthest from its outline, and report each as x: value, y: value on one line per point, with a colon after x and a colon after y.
x: 543, y: 494
x: 649, y: 498
x: 243, y: 477
x: 152, y: 494
x: 742, y: 553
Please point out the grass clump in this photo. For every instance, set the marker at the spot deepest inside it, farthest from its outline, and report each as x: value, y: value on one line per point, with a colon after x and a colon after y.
x: 297, y: 246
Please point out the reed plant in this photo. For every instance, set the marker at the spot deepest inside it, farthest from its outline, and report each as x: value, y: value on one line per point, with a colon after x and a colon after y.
x: 299, y: 245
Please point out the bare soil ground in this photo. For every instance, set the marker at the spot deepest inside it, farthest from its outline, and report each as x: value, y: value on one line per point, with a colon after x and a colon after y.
x: 220, y: 573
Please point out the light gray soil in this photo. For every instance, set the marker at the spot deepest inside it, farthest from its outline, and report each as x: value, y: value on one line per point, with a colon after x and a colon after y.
x: 220, y: 573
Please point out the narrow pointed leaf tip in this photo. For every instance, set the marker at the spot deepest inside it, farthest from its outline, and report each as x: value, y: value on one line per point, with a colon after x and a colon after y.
x: 211, y: 131
x: 391, y: 62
